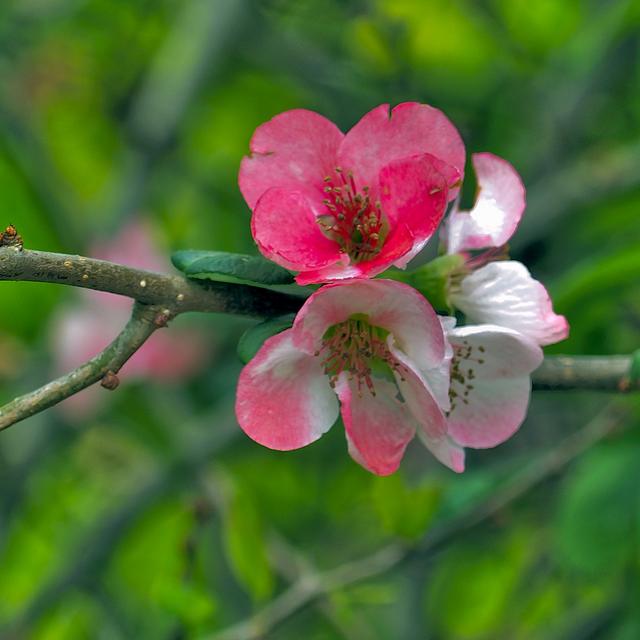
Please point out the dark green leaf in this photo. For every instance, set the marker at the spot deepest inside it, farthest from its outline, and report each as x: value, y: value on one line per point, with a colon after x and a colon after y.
x: 230, y: 267
x: 252, y: 339
x: 245, y: 545
x: 634, y: 371
x: 595, y: 519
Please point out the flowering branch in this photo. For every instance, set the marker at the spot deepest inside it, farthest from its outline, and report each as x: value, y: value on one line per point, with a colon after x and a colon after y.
x: 160, y: 298
x: 173, y: 292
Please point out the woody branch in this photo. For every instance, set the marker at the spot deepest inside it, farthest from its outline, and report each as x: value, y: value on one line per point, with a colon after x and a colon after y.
x: 159, y: 298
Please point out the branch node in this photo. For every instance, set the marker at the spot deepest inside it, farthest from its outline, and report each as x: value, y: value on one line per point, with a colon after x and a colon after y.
x: 11, y: 238
x: 110, y: 382
x: 162, y: 318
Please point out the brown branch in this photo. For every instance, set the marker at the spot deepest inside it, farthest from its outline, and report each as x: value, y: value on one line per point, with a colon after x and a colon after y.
x: 594, y: 373
x: 161, y: 297
x: 104, y: 366
x: 174, y: 292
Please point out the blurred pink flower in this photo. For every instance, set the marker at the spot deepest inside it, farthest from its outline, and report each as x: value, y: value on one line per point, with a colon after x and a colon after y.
x: 373, y: 350
x: 82, y: 329
x: 334, y: 206
x: 492, y: 290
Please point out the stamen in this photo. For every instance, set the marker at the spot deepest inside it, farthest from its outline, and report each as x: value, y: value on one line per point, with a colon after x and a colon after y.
x: 353, y: 346
x: 460, y: 388
x: 359, y: 224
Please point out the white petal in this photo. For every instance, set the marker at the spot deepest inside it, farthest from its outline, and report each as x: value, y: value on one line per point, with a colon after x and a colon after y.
x: 505, y: 294
x: 497, y: 211
x: 490, y: 383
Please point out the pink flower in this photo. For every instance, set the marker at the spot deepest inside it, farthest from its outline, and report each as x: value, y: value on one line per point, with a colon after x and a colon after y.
x: 498, y: 292
x: 373, y: 350
x: 83, y: 329
x: 335, y: 206
x: 490, y: 382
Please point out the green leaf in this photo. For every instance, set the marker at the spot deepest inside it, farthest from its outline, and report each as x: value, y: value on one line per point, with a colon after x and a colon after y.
x: 596, y: 514
x: 253, y: 338
x: 480, y: 579
x: 431, y: 279
x: 634, y: 371
x: 230, y: 267
x: 245, y: 546
x: 405, y: 511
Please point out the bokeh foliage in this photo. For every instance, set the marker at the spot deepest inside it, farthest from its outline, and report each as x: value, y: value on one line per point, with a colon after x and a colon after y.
x: 155, y: 517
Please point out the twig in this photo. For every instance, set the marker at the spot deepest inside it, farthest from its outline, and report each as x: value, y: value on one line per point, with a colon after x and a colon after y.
x: 140, y: 326
x: 312, y: 587
x: 161, y: 297
x: 171, y: 291
x: 594, y: 373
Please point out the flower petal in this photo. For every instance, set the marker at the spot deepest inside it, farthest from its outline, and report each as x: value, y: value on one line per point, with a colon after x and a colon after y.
x: 295, y: 149
x: 444, y: 450
x: 411, y: 129
x: 284, y: 400
x: 285, y: 229
x: 418, y: 395
x: 491, y: 382
x: 378, y: 427
x: 392, y: 305
x: 414, y: 192
x: 504, y: 293
x: 496, y: 213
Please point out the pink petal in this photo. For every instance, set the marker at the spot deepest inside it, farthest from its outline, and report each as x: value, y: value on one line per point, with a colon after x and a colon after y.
x: 491, y: 402
x: 417, y: 393
x: 444, y: 450
x: 411, y: 129
x: 378, y: 427
x: 285, y: 229
x: 505, y: 294
x: 333, y: 272
x: 414, y: 192
x: 496, y: 213
x: 432, y: 424
x: 392, y: 305
x: 284, y: 400
x: 295, y: 149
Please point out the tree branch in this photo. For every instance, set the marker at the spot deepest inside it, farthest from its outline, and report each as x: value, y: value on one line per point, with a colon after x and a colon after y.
x: 595, y: 373
x: 176, y: 293
x: 161, y: 297
x: 140, y: 326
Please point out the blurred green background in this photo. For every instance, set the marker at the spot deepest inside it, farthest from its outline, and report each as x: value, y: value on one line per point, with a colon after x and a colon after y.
x: 153, y: 516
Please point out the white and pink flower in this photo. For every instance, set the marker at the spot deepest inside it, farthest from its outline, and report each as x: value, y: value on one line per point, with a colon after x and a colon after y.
x: 490, y: 384
x: 375, y: 352
x: 333, y: 206
x: 500, y: 292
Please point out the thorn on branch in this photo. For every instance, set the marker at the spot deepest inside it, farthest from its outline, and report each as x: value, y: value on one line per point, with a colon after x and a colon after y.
x: 11, y: 238
x: 110, y: 381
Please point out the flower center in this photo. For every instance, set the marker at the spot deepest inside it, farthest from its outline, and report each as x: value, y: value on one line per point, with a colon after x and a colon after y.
x: 359, y: 348
x: 463, y: 372
x: 354, y: 221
